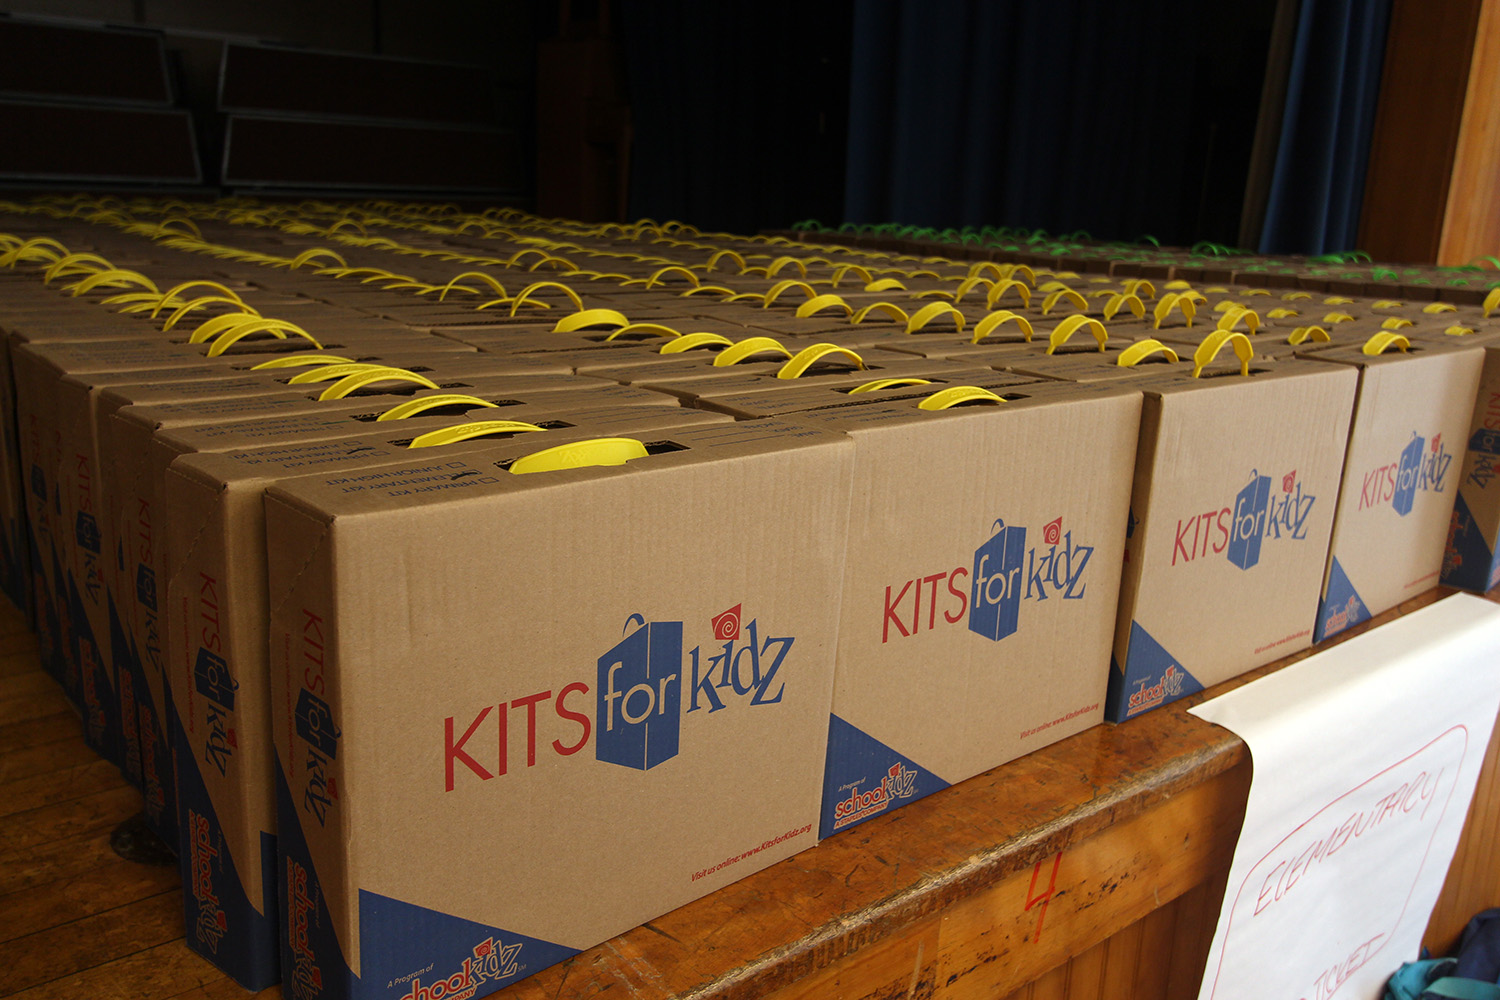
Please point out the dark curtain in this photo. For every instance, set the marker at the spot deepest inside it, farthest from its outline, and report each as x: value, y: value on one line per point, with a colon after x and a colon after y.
x: 1332, y: 87
x: 1119, y: 118
x: 740, y: 110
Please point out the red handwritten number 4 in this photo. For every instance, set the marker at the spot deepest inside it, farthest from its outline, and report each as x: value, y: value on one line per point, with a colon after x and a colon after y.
x: 1033, y: 898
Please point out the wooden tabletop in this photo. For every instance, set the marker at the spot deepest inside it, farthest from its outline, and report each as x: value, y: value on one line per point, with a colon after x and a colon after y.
x: 974, y: 891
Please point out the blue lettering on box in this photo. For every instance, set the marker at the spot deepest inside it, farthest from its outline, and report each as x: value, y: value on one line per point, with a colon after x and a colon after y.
x: 315, y: 724
x: 639, y: 697
x: 145, y: 586
x: 87, y: 530
x: 1406, y: 475
x: 212, y: 679
x: 996, y: 599
x: 1249, y: 523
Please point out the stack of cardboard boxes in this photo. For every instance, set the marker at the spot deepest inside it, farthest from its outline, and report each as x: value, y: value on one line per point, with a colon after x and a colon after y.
x: 466, y: 591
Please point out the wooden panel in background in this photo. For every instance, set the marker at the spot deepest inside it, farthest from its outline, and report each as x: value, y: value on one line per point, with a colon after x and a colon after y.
x: 1417, y: 124
x: 1471, y: 223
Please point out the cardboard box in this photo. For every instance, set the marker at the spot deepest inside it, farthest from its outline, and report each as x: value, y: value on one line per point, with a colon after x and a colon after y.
x: 694, y: 652
x: 980, y: 586
x: 1470, y: 556
x: 214, y: 689
x: 1400, y: 478
x: 1236, y: 480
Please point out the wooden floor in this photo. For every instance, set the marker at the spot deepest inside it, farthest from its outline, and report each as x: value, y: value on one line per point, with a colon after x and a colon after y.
x: 1092, y: 868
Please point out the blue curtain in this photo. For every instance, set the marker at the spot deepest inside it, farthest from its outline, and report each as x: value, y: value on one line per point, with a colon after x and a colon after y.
x: 1332, y: 88
x: 1117, y: 118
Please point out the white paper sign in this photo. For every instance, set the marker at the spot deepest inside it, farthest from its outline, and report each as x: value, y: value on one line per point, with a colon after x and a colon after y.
x: 1365, y: 759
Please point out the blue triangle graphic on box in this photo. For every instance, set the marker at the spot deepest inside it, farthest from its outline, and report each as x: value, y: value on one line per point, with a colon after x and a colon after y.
x: 1468, y: 563
x: 865, y: 778
x: 1151, y: 677
x: 224, y: 927
x: 396, y: 937
x: 1341, y: 608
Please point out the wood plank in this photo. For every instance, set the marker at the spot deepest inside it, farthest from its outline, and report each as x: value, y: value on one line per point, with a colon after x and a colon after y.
x: 44, y: 729
x: 1473, y: 881
x: 1121, y: 957
x: 46, y: 700
x: 157, y: 973
x: 904, y: 965
x: 100, y: 811
x: 1158, y: 941
x: 62, y: 858
x: 1086, y: 974
x: 993, y: 942
x: 40, y: 790
x: 46, y: 758
x: 83, y: 944
x: 1417, y: 121
x: 113, y: 883
x: 1471, y: 223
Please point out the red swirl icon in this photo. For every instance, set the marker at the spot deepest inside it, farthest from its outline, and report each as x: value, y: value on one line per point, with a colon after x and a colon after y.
x: 727, y: 624
x: 1288, y: 481
x: 1052, y: 532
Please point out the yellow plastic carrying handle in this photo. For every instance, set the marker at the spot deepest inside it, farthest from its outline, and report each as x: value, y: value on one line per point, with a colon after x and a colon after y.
x: 580, y: 454
x: 1062, y: 293
x: 1182, y: 301
x: 199, y: 303
x: 892, y: 310
x: 998, y: 290
x: 1314, y: 334
x: 1282, y: 312
x: 333, y: 372
x: 1337, y: 300
x: 1238, y: 314
x: 808, y: 356
x: 1459, y: 331
x: 211, y: 328
x: 413, y: 407
x: 1386, y: 304
x: 588, y: 318
x: 659, y: 276
x: 1433, y: 308
x: 359, y: 380
x: 225, y: 341
x: 1338, y: 317
x: 116, y: 278
x: 932, y: 311
x: 488, y: 279
x: 781, y: 286
x: 689, y: 341
x: 888, y: 383
x: 1143, y: 349
x: 748, y: 348
x: 1140, y: 288
x: 955, y: 395
x: 1491, y: 301
x: 1394, y: 323
x: 167, y: 298
x: 885, y: 285
x: 1000, y: 317
x: 466, y: 432
x: 526, y: 294
x: 1117, y: 300
x: 1382, y: 342
x: 1069, y: 326
x: 303, y: 361
x: 818, y: 303
x: 649, y: 329
x: 1214, y: 343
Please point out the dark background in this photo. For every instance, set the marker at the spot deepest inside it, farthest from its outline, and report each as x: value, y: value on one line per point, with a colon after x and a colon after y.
x: 1116, y: 119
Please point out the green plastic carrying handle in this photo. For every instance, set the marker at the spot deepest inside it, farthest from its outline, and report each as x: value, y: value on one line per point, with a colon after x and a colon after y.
x: 580, y: 454
x: 466, y: 432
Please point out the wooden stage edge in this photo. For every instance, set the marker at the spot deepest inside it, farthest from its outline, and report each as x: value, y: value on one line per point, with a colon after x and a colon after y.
x: 1091, y: 868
